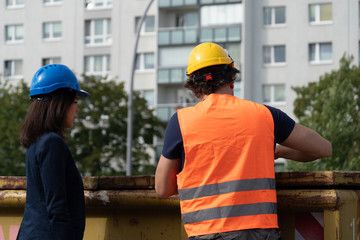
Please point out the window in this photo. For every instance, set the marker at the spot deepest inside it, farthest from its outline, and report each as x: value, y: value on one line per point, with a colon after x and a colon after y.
x: 15, y: 3
x: 13, y: 69
x: 52, y: 30
x: 274, y: 16
x: 237, y: 89
x: 148, y: 25
x: 94, y: 4
x: 53, y: 60
x: 98, y: 65
x: 52, y: 2
x: 145, y: 61
x: 221, y: 14
x: 274, y: 55
x: 189, y: 19
x: 173, y: 56
x: 320, y: 13
x: 149, y: 97
x: 14, y: 33
x: 320, y: 52
x: 164, y: 113
x: 235, y: 52
x: 98, y: 32
x: 274, y: 93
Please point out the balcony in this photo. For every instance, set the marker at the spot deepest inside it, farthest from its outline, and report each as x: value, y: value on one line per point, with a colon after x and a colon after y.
x: 194, y: 35
x: 181, y: 3
x: 165, y: 111
x: 171, y: 76
x: 176, y: 3
x: 178, y: 36
x: 221, y: 34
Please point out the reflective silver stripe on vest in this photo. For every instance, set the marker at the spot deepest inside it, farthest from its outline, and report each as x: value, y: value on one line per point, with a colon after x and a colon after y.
x: 227, y: 187
x: 230, y: 211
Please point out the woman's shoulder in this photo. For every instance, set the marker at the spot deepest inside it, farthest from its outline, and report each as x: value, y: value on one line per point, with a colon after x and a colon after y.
x: 50, y: 140
x: 51, y: 136
x: 48, y: 143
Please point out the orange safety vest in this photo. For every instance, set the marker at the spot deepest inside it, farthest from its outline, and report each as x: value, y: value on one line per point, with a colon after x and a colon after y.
x: 228, y: 180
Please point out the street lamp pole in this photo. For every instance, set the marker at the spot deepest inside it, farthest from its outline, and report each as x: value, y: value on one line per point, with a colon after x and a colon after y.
x: 130, y: 100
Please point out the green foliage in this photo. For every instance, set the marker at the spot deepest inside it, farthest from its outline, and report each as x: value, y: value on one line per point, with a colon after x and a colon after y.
x: 332, y: 108
x: 98, y: 140
x: 14, y: 102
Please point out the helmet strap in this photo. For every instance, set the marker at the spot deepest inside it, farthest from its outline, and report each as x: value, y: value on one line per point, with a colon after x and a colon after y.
x: 44, y: 99
x: 213, y: 76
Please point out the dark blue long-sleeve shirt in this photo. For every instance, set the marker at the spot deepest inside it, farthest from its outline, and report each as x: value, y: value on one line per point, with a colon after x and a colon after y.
x: 54, y: 207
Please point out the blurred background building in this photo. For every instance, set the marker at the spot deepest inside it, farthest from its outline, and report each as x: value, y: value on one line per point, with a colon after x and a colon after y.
x: 277, y: 44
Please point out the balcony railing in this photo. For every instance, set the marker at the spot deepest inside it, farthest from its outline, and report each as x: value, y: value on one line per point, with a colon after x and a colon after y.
x: 176, y: 36
x: 176, y: 3
x: 180, y: 3
x: 170, y: 76
x: 193, y: 35
x: 165, y: 111
x: 221, y: 34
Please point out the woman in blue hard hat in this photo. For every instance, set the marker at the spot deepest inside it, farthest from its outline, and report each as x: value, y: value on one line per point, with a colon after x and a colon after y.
x: 55, y: 207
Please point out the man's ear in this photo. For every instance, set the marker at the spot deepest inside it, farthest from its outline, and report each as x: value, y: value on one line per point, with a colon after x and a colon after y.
x: 232, y: 85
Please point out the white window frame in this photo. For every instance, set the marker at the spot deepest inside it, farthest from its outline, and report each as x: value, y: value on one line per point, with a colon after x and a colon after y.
x: 51, y: 31
x: 104, y: 72
x: 272, y: 56
x: 14, y: 4
x: 13, y: 33
x: 52, y: 3
x: 12, y: 69
x: 140, y: 59
x: 94, y: 4
x: 317, y: 59
x: 272, y: 94
x: 317, y: 20
x: 273, y: 16
x: 51, y: 60
x: 106, y: 39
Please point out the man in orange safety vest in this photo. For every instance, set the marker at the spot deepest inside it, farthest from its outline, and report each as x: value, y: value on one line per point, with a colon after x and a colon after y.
x: 219, y: 154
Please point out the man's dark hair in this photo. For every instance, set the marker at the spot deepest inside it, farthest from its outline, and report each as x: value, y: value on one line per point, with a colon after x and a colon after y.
x: 208, y: 80
x: 46, y: 113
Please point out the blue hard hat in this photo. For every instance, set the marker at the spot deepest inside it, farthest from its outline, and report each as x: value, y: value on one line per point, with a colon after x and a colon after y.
x: 52, y: 77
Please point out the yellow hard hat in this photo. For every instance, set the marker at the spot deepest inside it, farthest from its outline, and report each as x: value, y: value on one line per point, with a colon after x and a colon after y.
x: 207, y: 54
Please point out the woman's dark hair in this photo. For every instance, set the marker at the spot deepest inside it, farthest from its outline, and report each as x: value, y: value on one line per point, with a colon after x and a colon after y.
x: 46, y: 113
x: 208, y: 80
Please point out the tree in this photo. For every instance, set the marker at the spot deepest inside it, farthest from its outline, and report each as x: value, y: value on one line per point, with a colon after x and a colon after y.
x: 14, y: 102
x: 98, y: 139
x: 332, y: 108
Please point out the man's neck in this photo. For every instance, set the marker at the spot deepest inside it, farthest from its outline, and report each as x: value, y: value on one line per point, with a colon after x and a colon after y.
x: 226, y: 89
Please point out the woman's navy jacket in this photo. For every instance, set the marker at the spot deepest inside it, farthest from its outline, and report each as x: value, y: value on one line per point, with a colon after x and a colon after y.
x: 55, y: 207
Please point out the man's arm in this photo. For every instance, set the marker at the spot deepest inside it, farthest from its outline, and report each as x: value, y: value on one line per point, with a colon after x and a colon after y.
x: 165, y: 177
x: 303, y: 145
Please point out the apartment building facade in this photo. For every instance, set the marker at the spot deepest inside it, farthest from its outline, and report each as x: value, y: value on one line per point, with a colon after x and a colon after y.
x: 277, y: 44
